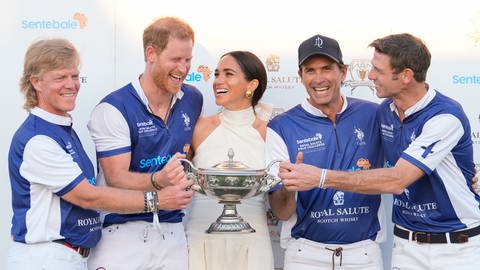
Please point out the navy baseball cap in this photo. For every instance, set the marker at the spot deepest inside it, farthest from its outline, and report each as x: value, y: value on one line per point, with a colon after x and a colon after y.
x: 321, y: 45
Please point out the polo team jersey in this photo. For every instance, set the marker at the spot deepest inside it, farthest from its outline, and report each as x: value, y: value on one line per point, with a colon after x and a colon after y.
x: 350, y: 144
x: 152, y: 142
x: 47, y: 160
x: 435, y: 137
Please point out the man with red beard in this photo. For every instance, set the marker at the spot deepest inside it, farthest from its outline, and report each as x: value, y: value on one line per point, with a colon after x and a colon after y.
x: 139, y: 131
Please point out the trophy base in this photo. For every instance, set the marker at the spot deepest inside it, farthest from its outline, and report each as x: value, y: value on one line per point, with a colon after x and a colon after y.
x: 238, y: 227
x: 229, y: 221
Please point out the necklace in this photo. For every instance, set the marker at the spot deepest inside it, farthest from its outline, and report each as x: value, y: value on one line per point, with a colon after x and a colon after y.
x: 167, y: 113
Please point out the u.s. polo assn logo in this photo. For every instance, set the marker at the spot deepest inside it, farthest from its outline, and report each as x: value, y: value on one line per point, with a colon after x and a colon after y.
x: 186, y: 121
x: 360, y: 136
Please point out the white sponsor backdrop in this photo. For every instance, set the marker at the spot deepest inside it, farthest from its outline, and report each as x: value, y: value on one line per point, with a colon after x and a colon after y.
x: 108, y: 35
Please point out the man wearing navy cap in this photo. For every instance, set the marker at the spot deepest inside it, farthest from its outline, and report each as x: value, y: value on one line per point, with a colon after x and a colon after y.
x: 325, y: 228
x: 427, y: 144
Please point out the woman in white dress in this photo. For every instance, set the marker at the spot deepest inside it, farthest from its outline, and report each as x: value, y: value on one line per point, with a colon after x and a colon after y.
x: 240, y: 81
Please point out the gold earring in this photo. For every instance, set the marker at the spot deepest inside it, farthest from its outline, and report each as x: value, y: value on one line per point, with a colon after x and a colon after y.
x: 249, y: 94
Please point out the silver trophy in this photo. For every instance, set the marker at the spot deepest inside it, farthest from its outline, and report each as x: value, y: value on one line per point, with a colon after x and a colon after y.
x: 230, y: 182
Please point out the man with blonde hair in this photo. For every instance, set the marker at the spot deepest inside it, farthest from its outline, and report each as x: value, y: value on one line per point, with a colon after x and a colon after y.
x: 52, y: 178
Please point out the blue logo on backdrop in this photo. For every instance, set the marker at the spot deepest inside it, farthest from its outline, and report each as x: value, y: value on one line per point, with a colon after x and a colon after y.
x: 77, y: 21
x: 193, y: 77
x: 466, y: 79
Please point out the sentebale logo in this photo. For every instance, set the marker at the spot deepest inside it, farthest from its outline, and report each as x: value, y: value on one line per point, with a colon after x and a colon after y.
x: 77, y: 21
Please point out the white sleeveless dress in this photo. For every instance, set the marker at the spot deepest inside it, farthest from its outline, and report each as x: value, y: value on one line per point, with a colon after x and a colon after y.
x: 232, y: 251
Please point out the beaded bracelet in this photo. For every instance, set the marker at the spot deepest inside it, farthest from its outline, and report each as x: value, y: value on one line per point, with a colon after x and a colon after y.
x: 151, y: 202
x: 154, y: 183
x: 145, y: 208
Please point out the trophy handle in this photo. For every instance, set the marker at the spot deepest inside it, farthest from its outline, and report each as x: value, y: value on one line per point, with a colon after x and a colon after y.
x: 193, y: 175
x: 271, y: 164
x: 273, y: 182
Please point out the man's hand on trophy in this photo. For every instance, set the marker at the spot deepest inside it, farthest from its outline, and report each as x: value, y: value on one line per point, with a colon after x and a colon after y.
x: 171, y: 174
x: 176, y: 196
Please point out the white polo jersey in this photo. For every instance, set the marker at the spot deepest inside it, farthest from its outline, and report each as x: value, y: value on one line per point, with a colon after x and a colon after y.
x: 435, y: 136
x: 47, y: 160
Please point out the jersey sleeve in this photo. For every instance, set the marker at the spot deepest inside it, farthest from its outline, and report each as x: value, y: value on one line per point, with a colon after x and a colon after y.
x: 46, y: 163
x: 439, y: 135
x: 109, y: 131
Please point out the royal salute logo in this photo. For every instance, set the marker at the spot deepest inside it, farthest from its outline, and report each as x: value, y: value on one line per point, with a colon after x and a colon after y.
x: 278, y: 80
x: 273, y: 63
x: 475, y: 35
x: 77, y: 21
x: 339, y: 198
x: 358, y: 73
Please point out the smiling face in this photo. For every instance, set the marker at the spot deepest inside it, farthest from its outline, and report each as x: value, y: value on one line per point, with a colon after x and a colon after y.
x: 387, y: 82
x: 170, y: 66
x: 230, y: 85
x: 57, y: 90
x: 322, y: 77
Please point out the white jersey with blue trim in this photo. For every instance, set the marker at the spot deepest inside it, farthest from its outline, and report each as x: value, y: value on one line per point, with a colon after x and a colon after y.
x: 435, y: 137
x: 351, y: 144
x: 123, y: 123
x: 46, y: 161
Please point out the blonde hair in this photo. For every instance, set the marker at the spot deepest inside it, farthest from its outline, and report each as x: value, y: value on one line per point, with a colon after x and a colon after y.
x: 42, y: 56
x: 158, y: 33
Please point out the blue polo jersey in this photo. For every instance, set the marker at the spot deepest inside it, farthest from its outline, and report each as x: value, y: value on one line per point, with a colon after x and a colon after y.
x: 153, y: 142
x: 351, y: 144
x: 47, y: 160
x: 435, y: 136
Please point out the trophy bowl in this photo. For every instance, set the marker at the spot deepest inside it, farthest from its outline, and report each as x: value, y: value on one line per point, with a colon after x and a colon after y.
x: 230, y: 182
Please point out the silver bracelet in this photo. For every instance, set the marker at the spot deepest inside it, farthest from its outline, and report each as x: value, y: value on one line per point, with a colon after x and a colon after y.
x: 321, y: 184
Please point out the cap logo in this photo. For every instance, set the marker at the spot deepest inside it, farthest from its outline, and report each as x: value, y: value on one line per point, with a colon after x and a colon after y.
x: 318, y: 42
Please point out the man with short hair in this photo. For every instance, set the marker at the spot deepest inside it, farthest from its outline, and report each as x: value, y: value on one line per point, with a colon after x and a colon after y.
x: 327, y: 228
x: 137, y: 130
x: 427, y: 144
